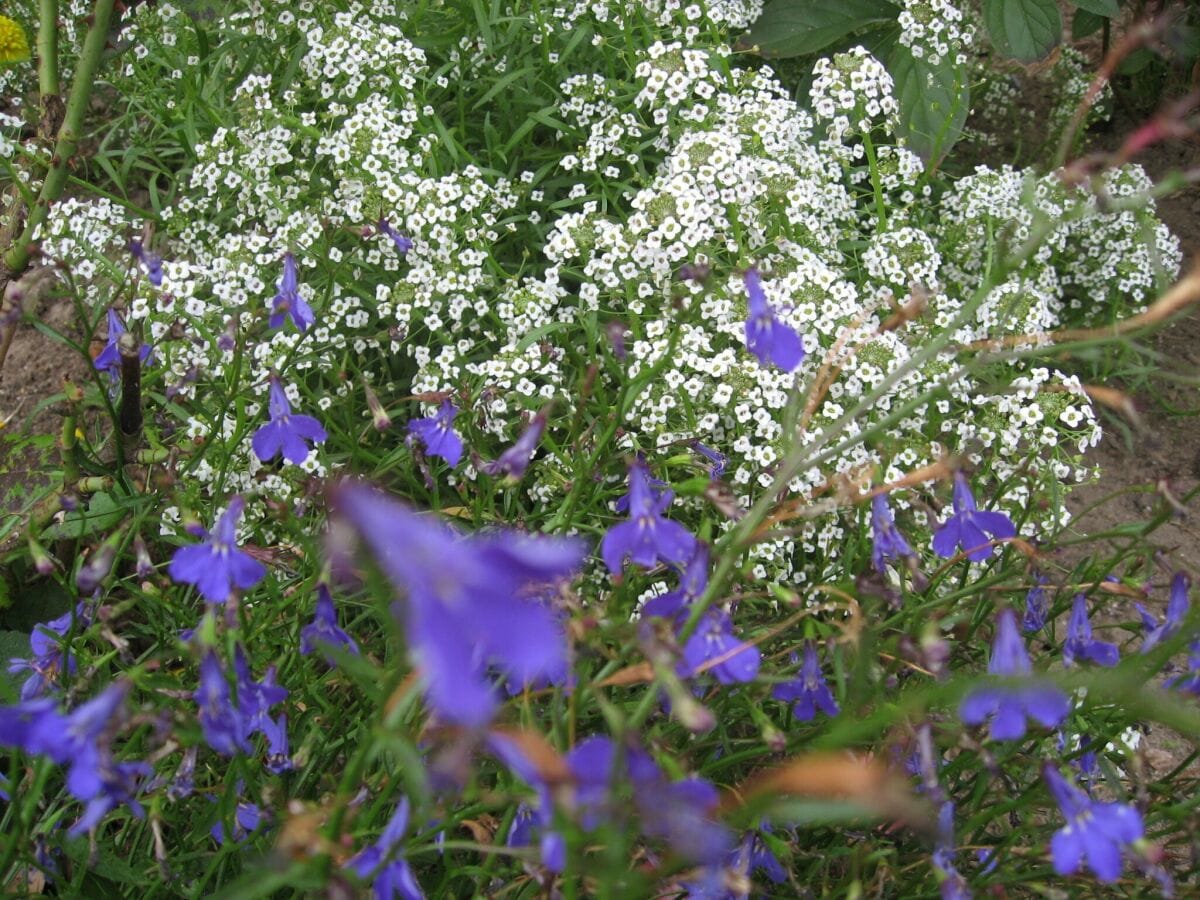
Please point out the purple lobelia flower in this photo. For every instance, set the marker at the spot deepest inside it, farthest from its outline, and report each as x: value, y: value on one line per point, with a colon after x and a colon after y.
x: 324, y: 630
x: 515, y: 460
x: 222, y: 723
x: 1009, y: 705
x: 437, y: 434
x: 403, y: 242
x: 646, y: 537
x: 255, y: 698
x: 533, y: 821
x: 767, y: 337
x: 888, y: 544
x: 718, y: 460
x: 109, y: 359
x: 49, y: 661
x: 383, y: 864
x: 969, y: 528
x: 691, y: 587
x: 951, y: 884
x: 247, y: 818
x: 1037, y: 607
x: 151, y: 262
x: 288, y: 303
x: 713, y: 643
x: 809, y: 690
x: 1080, y: 644
x: 1098, y: 831
x: 1177, y: 607
x: 468, y: 601
x: 287, y: 432
x: 216, y: 566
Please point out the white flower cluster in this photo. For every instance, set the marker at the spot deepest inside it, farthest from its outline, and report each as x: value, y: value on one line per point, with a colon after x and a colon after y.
x: 852, y: 93
x: 935, y: 30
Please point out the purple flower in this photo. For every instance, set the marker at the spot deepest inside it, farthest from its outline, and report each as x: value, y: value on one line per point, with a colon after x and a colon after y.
x: 769, y: 339
x: 889, y: 543
x: 646, y: 537
x: 255, y: 698
x: 1037, y: 606
x: 969, y: 528
x: 718, y: 460
x: 184, y: 782
x: 216, y: 566
x: 952, y: 885
x: 286, y: 432
x: 384, y: 866
x: 149, y: 261
x: 48, y: 660
x: 1177, y: 607
x: 809, y: 690
x: 437, y: 434
x: 222, y: 723
x: 467, y: 600
x: 1009, y: 705
x: 714, y: 640
x: 1099, y: 831
x: 324, y: 630
x: 109, y: 359
x: 1190, y: 683
x: 403, y: 242
x: 247, y: 817
x: 1080, y: 644
x: 288, y: 303
x: 515, y: 460
x: 691, y: 587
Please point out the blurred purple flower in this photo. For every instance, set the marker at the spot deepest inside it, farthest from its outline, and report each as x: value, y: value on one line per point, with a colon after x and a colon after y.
x: 255, y: 698
x: 437, y: 434
x: 278, y: 757
x: 1177, y: 608
x: 889, y: 544
x: 149, y: 261
x: 969, y: 528
x: 1009, y: 705
x: 767, y: 337
x: 1099, y: 831
x: 288, y: 303
x: 515, y: 460
x: 216, y: 566
x: 1037, y: 606
x: 383, y: 864
x: 222, y: 723
x: 109, y: 359
x: 718, y: 460
x: 247, y: 818
x: 466, y: 600
x: 646, y: 537
x: 809, y: 690
x: 184, y: 782
x: 1190, y: 683
x: 324, y: 630
x: 286, y: 432
x: 403, y: 242
x: 951, y: 884
x: 691, y: 587
x: 714, y: 639
x: 1080, y: 644
x: 48, y: 661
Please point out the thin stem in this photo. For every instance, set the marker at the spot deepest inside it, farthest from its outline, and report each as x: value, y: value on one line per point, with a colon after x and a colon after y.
x: 47, y: 47
x: 880, y: 206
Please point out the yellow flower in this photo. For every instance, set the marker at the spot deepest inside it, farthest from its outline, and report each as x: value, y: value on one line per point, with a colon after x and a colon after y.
x: 14, y: 47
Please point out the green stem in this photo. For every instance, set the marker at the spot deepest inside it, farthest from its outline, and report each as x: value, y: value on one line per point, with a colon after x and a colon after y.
x: 47, y: 47
x: 880, y: 206
x: 17, y: 256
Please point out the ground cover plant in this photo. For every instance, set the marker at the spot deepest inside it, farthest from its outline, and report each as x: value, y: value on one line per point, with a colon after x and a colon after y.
x: 540, y: 450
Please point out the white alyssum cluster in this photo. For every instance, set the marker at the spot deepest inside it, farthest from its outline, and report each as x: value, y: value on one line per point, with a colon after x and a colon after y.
x: 936, y: 30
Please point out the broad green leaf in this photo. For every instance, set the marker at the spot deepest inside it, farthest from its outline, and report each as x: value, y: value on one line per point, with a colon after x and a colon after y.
x: 934, y: 101
x: 1085, y: 23
x: 1023, y: 29
x: 797, y: 27
x: 102, y: 513
x: 1105, y: 8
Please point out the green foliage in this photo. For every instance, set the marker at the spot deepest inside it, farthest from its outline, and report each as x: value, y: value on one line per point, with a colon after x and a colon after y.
x: 802, y: 27
x: 1026, y: 30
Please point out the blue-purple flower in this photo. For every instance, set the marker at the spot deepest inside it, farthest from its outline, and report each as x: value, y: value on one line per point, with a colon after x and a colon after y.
x: 717, y: 460
x: 109, y: 359
x: 1098, y: 831
x: 691, y: 587
x: 1080, y: 644
x: 467, y: 601
x: 403, y: 242
x: 151, y: 262
x: 49, y: 661
x: 969, y: 527
x: 951, y: 884
x: 324, y: 631
x: 216, y: 566
x: 515, y: 460
x: 1037, y: 607
x: 247, y: 818
x: 809, y: 690
x: 222, y: 723
x: 1008, y: 705
x: 888, y: 544
x: 713, y: 645
x: 288, y: 303
x: 647, y: 537
x: 383, y: 863
x: 437, y: 433
x: 287, y: 432
x: 1177, y: 607
x: 769, y: 339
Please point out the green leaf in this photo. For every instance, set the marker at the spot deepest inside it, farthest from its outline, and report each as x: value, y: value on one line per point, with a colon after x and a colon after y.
x: 797, y: 27
x: 1085, y: 23
x: 1104, y: 8
x: 934, y: 101
x: 14, y: 645
x: 101, y: 514
x: 1023, y: 29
